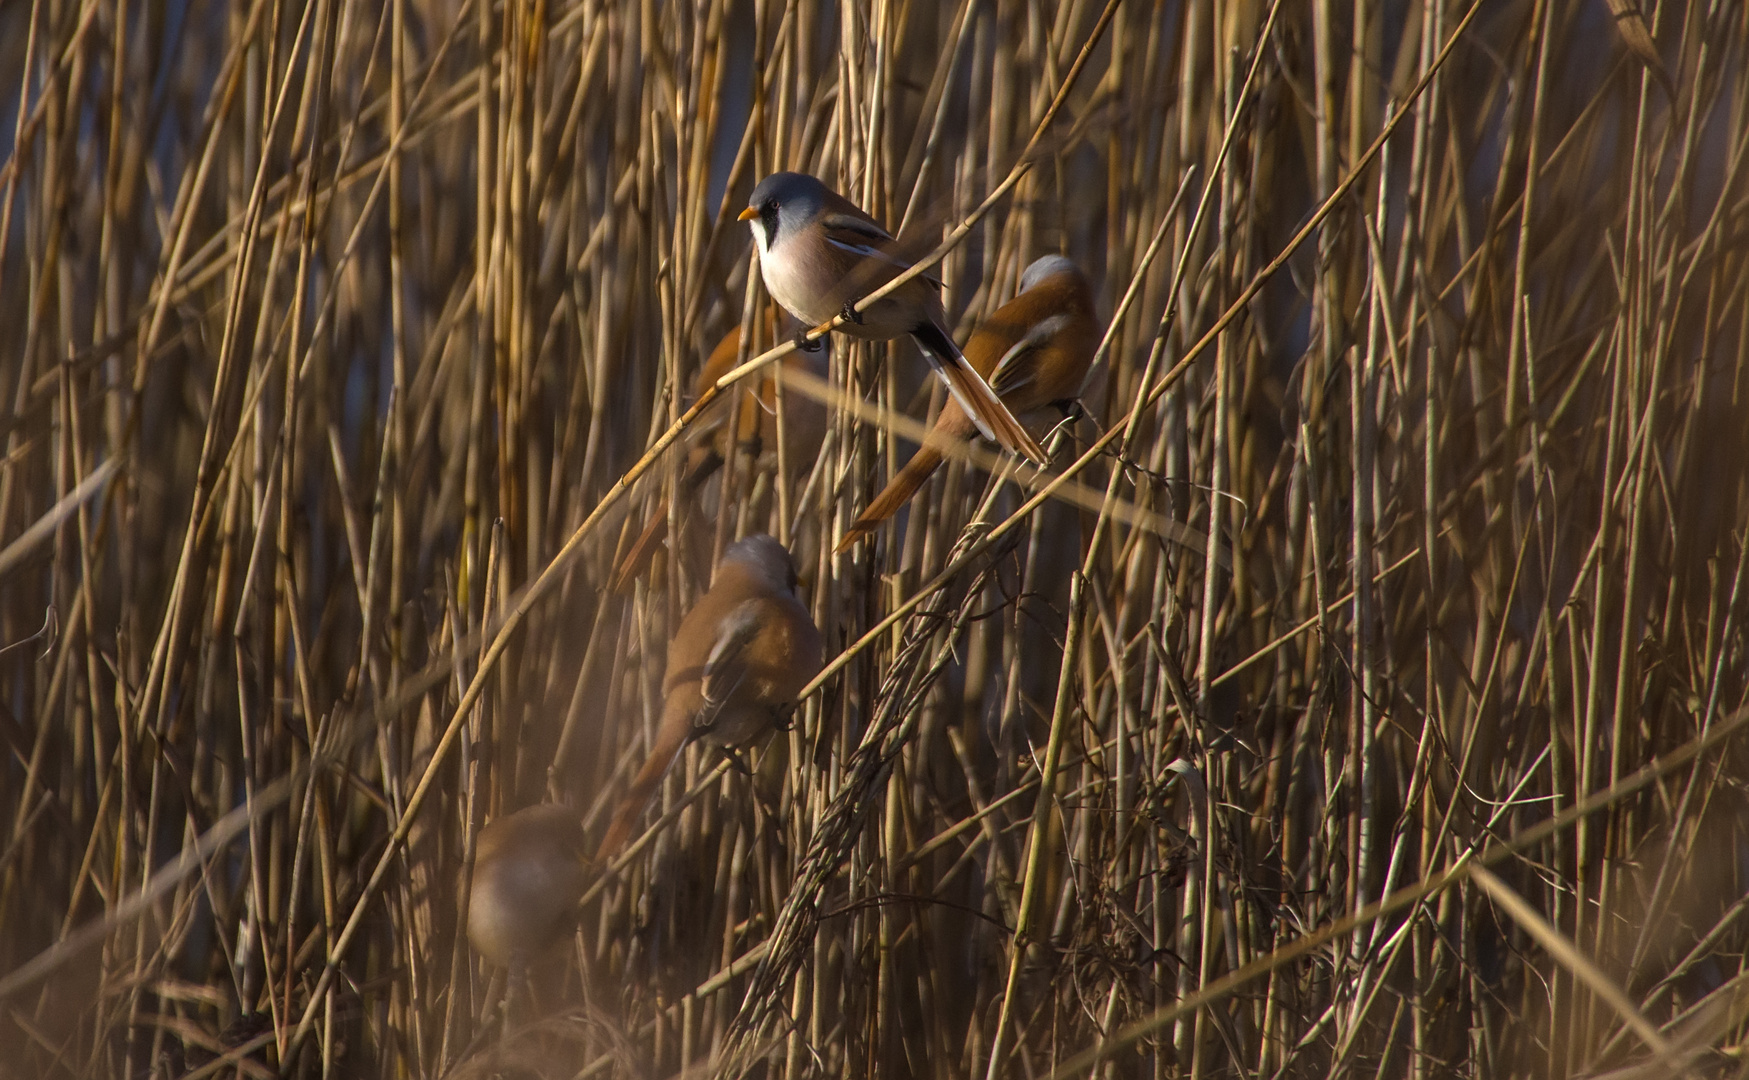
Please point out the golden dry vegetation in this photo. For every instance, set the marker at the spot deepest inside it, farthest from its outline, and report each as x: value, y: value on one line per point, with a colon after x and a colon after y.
x: 1360, y: 692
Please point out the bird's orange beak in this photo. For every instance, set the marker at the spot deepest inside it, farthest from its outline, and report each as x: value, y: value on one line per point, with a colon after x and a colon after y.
x: 748, y: 214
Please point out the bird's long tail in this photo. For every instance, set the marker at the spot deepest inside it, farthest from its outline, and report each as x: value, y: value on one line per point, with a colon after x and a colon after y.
x: 631, y: 566
x: 897, y: 493
x: 636, y: 559
x: 974, y: 394
x: 670, y: 739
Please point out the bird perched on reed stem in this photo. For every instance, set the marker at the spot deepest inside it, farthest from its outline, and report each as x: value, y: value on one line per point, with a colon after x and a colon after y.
x: 747, y: 425
x: 735, y: 664
x: 819, y: 253
x: 1034, y: 350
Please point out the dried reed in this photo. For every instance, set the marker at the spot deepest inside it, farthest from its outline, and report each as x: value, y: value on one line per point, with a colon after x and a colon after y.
x: 1360, y: 693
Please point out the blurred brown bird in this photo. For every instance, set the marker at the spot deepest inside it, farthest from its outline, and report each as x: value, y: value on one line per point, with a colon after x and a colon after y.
x: 530, y: 869
x: 753, y: 425
x: 819, y: 253
x: 738, y: 659
x: 1035, y: 351
x: 748, y: 425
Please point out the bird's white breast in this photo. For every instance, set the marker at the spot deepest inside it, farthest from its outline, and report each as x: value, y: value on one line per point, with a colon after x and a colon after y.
x: 791, y: 280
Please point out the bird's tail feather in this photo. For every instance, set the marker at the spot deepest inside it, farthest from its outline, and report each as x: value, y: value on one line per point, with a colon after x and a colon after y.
x: 980, y: 402
x: 670, y: 739
x: 636, y: 559
x: 631, y: 566
x: 897, y: 493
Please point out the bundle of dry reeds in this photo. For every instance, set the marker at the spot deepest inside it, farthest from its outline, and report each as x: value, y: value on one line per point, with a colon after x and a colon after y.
x: 1359, y: 693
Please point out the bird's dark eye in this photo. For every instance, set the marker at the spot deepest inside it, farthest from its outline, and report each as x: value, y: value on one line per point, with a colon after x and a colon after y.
x: 771, y: 205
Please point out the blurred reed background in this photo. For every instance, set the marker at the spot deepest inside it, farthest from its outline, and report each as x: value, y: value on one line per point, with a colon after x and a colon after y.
x: 1411, y: 567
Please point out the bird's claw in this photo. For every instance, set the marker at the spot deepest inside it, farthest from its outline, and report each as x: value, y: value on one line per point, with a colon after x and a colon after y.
x: 808, y: 344
x: 850, y: 314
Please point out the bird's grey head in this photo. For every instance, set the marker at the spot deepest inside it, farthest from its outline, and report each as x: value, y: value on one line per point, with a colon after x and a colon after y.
x: 1048, y: 266
x: 761, y: 554
x: 782, y: 203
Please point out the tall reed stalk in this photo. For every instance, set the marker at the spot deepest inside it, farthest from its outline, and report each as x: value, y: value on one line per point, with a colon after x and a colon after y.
x: 1360, y: 693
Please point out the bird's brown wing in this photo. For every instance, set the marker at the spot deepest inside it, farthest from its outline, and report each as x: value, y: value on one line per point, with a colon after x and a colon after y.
x: 726, y: 668
x: 863, y: 238
x: 1018, y: 367
x: 855, y: 223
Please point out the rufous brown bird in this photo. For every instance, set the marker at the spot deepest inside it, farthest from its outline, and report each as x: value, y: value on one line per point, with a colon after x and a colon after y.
x: 1035, y: 351
x: 748, y: 425
x: 735, y: 664
x: 819, y: 253
x: 530, y: 869
x: 752, y: 425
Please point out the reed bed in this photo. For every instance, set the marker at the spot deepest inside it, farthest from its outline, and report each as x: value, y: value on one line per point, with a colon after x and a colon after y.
x: 1359, y: 693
